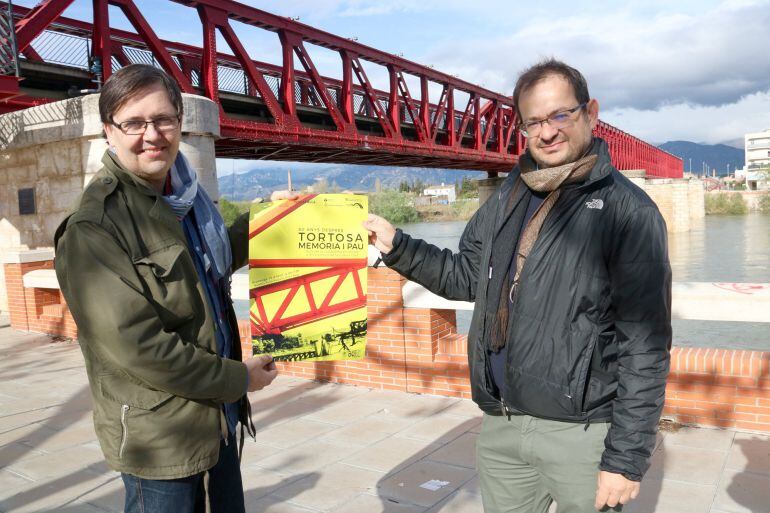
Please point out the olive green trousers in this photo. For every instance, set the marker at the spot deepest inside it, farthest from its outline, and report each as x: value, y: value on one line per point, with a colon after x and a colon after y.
x: 526, y: 463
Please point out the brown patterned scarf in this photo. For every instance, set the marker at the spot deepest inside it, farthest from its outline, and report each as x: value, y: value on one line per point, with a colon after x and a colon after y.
x: 542, y: 180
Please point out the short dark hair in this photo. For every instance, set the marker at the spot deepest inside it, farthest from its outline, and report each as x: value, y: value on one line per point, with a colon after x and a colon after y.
x: 546, y: 68
x: 127, y: 82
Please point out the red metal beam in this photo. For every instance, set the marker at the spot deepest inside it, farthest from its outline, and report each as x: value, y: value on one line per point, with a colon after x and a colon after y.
x: 37, y: 20
x: 495, y: 141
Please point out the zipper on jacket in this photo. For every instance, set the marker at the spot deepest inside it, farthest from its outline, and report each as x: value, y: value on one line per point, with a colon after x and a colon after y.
x: 504, y: 409
x: 490, y: 272
x: 123, y: 423
x: 224, y: 429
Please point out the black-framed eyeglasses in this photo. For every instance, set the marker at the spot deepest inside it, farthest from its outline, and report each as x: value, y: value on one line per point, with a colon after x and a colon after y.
x: 139, y: 126
x: 558, y: 120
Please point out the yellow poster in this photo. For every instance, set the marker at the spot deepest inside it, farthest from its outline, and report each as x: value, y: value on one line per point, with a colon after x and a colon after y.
x: 307, y: 277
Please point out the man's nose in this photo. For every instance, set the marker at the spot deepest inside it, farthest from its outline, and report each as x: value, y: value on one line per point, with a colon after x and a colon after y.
x: 547, y: 132
x: 151, y: 133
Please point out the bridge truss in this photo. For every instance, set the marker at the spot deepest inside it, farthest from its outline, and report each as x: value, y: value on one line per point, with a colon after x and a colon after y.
x: 290, y: 111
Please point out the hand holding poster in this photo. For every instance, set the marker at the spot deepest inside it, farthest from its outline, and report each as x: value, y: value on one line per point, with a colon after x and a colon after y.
x: 307, y: 277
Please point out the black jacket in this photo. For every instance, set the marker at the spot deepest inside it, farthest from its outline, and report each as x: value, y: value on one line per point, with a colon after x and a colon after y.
x: 590, y: 330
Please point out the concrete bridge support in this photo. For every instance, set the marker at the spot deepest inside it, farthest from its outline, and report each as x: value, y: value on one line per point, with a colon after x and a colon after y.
x: 680, y: 200
x: 49, y: 153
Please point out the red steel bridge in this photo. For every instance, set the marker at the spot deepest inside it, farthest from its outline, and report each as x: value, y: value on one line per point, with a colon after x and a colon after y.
x: 285, y: 111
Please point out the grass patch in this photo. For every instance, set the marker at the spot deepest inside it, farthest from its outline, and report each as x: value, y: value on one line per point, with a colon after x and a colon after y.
x: 763, y: 205
x: 724, y: 203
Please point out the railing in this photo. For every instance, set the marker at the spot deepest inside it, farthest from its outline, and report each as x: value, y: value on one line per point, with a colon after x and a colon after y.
x: 758, y: 145
x: 423, y: 117
x: 9, y: 63
x: 74, y: 50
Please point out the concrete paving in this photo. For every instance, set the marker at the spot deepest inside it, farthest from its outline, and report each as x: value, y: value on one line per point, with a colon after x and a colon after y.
x: 326, y: 448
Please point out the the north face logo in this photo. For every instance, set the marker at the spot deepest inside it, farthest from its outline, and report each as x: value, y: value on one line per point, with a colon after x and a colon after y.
x: 595, y: 203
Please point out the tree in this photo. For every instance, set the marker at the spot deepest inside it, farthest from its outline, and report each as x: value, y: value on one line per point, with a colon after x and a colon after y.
x: 393, y: 206
x: 469, y: 188
x: 229, y: 211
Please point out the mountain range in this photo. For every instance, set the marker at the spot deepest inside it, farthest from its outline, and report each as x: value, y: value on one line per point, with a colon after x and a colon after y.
x: 262, y: 180
x: 718, y: 157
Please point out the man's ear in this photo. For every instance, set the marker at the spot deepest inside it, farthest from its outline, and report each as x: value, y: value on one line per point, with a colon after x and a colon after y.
x: 592, y: 108
x: 108, y: 132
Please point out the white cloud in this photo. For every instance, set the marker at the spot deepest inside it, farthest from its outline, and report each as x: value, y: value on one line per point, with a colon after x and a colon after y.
x: 705, y: 124
x: 712, y: 58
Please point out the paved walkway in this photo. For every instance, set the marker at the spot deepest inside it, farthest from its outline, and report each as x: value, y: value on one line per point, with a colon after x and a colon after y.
x: 328, y: 448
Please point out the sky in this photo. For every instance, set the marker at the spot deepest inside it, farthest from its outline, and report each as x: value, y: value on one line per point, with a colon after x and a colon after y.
x: 660, y: 70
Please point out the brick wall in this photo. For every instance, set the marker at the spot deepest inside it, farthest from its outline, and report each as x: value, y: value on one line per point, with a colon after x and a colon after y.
x: 412, y: 350
x: 719, y: 387
x: 34, y: 309
x: 418, y: 350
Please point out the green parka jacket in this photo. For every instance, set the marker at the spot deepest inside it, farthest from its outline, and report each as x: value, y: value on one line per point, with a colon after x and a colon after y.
x: 146, y: 329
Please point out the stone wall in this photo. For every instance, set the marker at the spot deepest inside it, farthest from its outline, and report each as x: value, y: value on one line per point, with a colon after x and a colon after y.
x: 679, y: 200
x: 56, y: 148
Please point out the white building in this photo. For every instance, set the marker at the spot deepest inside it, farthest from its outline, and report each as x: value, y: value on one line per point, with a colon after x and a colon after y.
x: 757, y: 160
x: 441, y: 190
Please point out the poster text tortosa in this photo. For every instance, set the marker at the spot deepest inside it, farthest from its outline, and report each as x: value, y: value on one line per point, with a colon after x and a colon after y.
x: 329, y: 238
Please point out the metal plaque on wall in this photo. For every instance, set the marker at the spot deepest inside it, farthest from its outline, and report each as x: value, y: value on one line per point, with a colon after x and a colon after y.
x: 26, y: 201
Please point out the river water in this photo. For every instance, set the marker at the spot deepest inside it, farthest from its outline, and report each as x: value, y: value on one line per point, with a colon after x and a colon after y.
x: 720, y: 249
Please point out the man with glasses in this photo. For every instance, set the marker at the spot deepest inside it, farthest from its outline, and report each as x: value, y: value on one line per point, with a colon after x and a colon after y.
x: 569, y: 342
x: 144, y: 262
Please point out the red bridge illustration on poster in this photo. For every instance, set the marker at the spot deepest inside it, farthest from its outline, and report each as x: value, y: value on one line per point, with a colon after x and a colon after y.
x: 318, y: 307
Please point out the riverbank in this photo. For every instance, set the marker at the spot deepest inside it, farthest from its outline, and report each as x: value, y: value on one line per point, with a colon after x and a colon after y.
x: 737, y: 202
x: 460, y: 210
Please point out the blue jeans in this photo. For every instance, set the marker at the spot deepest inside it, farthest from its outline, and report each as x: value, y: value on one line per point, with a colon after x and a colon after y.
x: 187, y: 495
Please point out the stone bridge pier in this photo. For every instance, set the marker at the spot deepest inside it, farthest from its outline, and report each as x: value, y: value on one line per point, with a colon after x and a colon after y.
x: 49, y: 153
x: 680, y: 200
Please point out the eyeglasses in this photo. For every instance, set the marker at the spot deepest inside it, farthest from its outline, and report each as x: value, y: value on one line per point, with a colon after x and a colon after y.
x: 559, y: 120
x: 139, y: 126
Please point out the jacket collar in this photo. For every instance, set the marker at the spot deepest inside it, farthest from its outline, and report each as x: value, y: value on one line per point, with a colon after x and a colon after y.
x: 601, y: 170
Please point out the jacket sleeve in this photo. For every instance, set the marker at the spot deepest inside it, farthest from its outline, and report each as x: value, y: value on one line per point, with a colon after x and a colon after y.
x: 450, y: 275
x: 122, y: 328
x: 239, y: 241
x: 640, y: 277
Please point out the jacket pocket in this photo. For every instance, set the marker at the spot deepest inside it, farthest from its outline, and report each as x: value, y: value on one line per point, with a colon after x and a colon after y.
x: 170, y: 279
x: 130, y: 403
x: 602, y: 388
x: 580, y: 380
x: 124, y: 392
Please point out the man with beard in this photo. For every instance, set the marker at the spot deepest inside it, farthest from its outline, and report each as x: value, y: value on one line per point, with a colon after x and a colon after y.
x: 569, y: 342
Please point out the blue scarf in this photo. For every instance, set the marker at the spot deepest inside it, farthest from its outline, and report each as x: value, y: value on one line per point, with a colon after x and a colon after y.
x: 186, y: 195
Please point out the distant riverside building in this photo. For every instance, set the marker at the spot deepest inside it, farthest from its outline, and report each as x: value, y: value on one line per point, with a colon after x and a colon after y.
x: 447, y: 191
x: 757, y: 160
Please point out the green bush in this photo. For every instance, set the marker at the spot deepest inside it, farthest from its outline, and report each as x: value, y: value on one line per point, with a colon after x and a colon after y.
x: 723, y: 203
x: 393, y: 206
x: 231, y: 210
x: 764, y: 203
